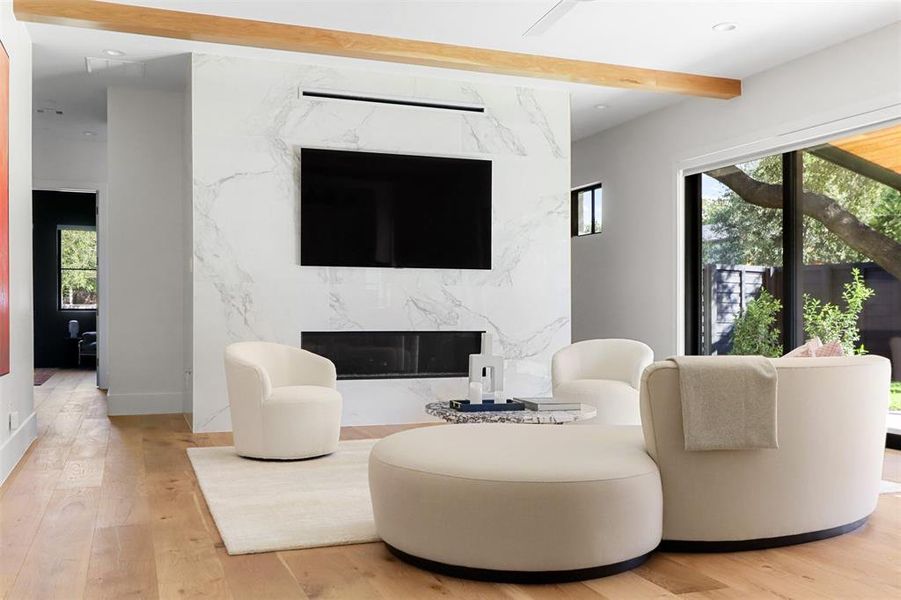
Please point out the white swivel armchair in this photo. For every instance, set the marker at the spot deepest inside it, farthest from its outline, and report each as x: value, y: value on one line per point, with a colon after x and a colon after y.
x: 605, y: 374
x: 283, y: 401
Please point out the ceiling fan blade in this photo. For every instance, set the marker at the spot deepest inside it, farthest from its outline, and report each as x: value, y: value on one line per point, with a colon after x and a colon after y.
x: 549, y: 18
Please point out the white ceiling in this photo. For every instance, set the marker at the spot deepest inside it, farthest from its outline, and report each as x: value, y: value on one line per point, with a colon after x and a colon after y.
x: 665, y: 34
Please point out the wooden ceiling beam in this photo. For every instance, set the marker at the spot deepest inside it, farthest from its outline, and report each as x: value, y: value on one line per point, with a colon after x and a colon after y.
x: 158, y: 22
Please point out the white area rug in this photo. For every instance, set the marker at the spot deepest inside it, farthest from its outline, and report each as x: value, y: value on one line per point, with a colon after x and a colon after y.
x: 263, y: 506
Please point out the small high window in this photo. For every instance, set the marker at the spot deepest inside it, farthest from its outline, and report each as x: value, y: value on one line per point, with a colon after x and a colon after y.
x: 77, y: 251
x: 586, y: 210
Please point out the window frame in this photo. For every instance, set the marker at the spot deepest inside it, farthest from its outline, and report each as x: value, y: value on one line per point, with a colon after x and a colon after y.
x: 60, y: 268
x: 574, y: 209
x: 792, y: 255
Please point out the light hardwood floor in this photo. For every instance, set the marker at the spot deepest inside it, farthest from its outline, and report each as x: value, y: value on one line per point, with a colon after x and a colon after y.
x: 109, y: 508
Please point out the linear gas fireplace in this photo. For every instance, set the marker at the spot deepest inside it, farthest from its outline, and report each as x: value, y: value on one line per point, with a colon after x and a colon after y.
x: 395, y: 354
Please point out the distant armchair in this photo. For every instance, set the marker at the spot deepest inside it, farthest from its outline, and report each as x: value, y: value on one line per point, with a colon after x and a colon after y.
x: 283, y: 401
x: 87, y: 346
x: 605, y: 374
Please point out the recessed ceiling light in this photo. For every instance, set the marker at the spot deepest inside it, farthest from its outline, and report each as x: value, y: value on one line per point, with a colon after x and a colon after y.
x: 726, y: 26
x: 601, y: 106
x: 89, y: 133
x: 111, y: 52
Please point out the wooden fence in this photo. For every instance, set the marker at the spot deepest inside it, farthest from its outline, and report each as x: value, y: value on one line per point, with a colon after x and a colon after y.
x: 729, y: 288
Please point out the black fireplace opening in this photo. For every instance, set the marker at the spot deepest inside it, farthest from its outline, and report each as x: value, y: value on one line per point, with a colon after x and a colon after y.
x: 395, y: 354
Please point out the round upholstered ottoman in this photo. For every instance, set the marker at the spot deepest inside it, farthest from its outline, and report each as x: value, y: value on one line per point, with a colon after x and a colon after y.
x: 525, y: 503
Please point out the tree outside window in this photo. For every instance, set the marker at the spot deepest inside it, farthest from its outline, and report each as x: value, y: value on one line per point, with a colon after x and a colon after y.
x: 586, y: 210
x: 847, y: 194
x: 77, y: 268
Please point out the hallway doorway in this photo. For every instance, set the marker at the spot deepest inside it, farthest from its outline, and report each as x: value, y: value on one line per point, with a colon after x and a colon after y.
x: 66, y: 280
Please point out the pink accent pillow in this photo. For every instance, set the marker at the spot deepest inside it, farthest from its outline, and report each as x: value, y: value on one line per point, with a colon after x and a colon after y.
x: 805, y: 350
x: 830, y: 349
x: 801, y: 351
x: 816, y: 348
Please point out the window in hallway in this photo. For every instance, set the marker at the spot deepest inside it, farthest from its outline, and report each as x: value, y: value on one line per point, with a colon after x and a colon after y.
x: 77, y: 268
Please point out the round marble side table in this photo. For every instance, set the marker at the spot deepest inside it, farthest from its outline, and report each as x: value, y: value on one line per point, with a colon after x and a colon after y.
x: 442, y: 410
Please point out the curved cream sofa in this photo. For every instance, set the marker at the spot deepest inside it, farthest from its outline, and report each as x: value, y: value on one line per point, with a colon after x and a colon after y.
x: 283, y: 401
x: 605, y: 374
x: 526, y: 503
x: 823, y: 480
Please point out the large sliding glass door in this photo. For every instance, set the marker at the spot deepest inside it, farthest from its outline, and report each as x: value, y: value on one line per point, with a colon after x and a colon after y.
x: 858, y: 215
x: 767, y: 237
x: 740, y: 247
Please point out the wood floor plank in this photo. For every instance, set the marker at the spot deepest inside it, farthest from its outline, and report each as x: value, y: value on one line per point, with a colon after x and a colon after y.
x: 330, y: 574
x: 393, y: 578
x: 840, y: 580
x: 870, y: 549
x: 769, y: 575
x: 87, y: 452
x: 56, y: 565
x: 21, y: 510
x: 81, y: 473
x: 259, y: 577
x: 629, y: 586
x: 184, y: 547
x: 110, y: 508
x: 562, y: 591
x: 731, y: 594
x: 672, y: 576
x: 742, y: 576
x: 123, y: 504
x: 477, y: 590
x: 122, y: 564
x: 92, y: 438
x: 221, y: 438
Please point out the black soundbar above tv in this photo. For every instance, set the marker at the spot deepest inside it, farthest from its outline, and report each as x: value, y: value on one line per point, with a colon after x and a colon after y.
x: 367, y: 209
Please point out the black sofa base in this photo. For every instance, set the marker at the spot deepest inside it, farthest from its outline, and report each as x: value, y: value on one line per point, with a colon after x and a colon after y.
x: 498, y: 576
x: 759, y: 543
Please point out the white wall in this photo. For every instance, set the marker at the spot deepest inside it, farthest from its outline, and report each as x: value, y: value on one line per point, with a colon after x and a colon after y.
x: 247, y: 281
x: 187, y: 208
x: 67, y: 162
x: 147, y: 154
x: 627, y: 281
x: 16, y: 388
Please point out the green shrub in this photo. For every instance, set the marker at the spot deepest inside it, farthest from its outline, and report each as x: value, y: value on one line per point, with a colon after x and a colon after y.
x: 832, y: 324
x: 895, y: 396
x: 754, y: 331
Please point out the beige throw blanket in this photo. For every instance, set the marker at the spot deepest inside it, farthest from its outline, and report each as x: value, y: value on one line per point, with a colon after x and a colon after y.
x: 728, y: 402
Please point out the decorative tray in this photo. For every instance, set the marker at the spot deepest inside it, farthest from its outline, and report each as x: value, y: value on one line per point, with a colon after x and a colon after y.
x: 465, y: 406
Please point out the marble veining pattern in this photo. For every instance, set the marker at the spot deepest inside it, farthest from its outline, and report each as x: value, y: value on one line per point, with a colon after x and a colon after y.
x: 249, y: 122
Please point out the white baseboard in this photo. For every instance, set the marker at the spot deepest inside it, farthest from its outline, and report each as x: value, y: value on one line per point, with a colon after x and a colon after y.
x: 145, y: 404
x: 12, y: 451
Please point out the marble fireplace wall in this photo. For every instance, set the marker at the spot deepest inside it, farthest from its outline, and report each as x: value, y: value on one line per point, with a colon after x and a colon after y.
x: 249, y: 121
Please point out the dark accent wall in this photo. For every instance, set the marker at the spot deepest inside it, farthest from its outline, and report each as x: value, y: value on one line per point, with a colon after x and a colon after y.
x: 51, y: 209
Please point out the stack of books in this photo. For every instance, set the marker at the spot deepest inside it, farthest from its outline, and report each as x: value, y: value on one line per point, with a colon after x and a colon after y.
x: 547, y: 404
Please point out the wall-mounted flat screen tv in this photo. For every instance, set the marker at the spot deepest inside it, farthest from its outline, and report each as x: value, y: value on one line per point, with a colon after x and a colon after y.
x: 365, y: 209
